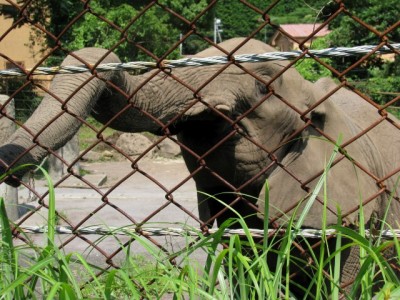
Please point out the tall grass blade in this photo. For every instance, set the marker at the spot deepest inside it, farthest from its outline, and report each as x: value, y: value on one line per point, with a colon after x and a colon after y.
x: 130, y: 286
x: 335, y: 283
x: 54, y: 291
x: 293, y: 228
x: 66, y: 274
x: 318, y: 186
x: 109, y: 284
x: 218, y: 264
x: 266, y: 215
x: 67, y: 293
x: 265, y: 277
x: 9, y: 256
x: 383, y: 221
x: 373, y: 255
x: 31, y: 271
x: 324, y: 242
x: 366, y: 279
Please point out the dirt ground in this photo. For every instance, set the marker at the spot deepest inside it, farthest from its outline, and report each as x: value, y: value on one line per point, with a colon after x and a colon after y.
x: 131, y: 196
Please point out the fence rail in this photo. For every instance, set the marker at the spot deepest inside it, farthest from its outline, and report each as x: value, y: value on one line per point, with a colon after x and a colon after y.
x: 207, y: 61
x: 178, y: 231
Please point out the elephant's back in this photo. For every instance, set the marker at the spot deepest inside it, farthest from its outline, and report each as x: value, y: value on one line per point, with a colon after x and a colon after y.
x: 361, y: 115
x: 251, y: 46
x: 349, y: 103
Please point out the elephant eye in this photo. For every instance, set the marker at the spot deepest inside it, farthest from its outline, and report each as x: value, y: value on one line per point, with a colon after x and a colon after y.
x: 261, y: 88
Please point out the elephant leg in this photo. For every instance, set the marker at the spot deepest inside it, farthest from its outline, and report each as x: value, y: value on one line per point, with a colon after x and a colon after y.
x: 204, y: 209
x: 217, y: 202
x: 303, y: 269
x: 350, y: 266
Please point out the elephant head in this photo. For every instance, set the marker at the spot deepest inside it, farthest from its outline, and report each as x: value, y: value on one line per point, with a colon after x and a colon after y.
x: 238, y: 125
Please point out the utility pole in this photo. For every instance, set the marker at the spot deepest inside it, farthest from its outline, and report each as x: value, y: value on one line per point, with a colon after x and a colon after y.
x: 217, y: 30
x: 181, y: 44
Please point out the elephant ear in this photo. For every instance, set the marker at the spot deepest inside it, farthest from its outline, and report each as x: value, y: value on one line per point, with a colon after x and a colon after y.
x: 306, y: 157
x: 296, y: 176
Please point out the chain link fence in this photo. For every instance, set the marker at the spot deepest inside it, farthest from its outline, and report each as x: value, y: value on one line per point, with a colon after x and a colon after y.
x: 240, y: 113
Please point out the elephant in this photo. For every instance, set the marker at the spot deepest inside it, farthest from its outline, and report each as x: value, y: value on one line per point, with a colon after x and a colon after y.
x: 238, y: 125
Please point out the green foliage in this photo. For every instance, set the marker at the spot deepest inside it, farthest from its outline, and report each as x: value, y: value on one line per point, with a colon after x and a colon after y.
x: 311, y: 69
x: 382, y: 83
x: 151, y: 31
x: 380, y: 87
x: 18, y: 281
x: 376, y: 77
x: 188, y: 9
x: 380, y: 15
x: 298, y: 11
x: 240, y: 20
x: 157, y: 30
x: 108, y: 24
x: 26, y: 98
x: 88, y: 134
x: 237, y: 19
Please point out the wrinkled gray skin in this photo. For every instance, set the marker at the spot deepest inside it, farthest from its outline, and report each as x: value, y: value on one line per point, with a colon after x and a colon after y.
x: 238, y: 160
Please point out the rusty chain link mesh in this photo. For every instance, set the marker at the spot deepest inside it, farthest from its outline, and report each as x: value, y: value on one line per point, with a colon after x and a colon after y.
x: 169, y: 194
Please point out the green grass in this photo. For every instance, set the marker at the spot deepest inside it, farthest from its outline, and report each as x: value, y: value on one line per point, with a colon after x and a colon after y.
x: 87, y: 135
x: 238, y: 270
x: 394, y: 111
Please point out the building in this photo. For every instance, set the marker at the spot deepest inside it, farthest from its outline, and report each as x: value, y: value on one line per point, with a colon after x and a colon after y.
x: 299, y: 32
x: 16, y: 43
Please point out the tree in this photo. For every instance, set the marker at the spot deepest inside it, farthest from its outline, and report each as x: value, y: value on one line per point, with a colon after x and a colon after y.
x: 378, y: 14
x: 240, y: 20
x: 157, y: 29
x: 376, y: 77
x: 237, y: 19
x: 106, y: 23
x: 152, y: 31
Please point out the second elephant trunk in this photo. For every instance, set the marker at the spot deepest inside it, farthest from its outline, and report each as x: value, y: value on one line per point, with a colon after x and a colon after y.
x: 73, y: 97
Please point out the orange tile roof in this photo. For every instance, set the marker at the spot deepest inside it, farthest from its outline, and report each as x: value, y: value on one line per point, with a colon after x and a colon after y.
x: 303, y: 30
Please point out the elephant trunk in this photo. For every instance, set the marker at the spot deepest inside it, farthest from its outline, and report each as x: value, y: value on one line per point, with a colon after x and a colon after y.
x: 73, y: 97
